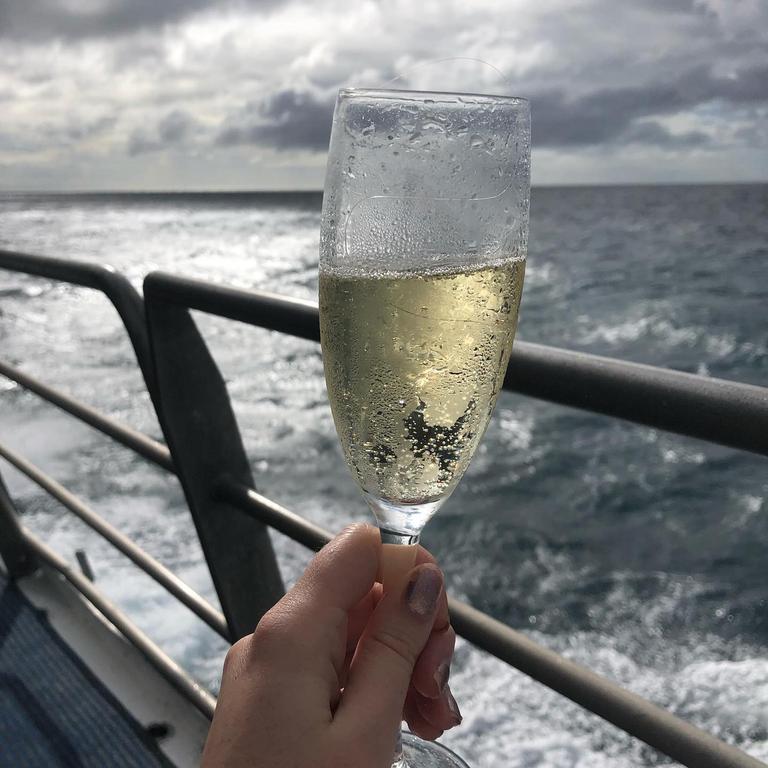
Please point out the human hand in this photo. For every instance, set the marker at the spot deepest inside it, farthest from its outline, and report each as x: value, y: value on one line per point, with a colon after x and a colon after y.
x: 335, y: 666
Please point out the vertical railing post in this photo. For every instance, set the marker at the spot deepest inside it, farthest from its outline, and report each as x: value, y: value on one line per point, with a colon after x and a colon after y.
x: 18, y: 558
x: 204, y: 440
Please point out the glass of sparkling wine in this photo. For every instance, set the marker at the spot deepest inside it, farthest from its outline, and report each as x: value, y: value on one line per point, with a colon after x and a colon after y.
x: 422, y: 257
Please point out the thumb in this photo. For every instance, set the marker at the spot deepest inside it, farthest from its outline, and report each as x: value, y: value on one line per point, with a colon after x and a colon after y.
x: 386, y: 655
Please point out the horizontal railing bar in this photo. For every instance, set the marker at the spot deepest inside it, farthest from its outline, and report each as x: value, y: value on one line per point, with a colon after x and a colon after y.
x: 83, y: 273
x: 156, y: 570
x: 145, y: 446
x: 193, y: 691
x: 274, y: 515
x: 628, y: 711
x: 295, y: 317
x: 716, y: 410
x: 116, y: 287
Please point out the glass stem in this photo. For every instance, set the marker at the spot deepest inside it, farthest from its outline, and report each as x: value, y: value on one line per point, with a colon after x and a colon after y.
x: 402, y: 539
x: 406, y: 540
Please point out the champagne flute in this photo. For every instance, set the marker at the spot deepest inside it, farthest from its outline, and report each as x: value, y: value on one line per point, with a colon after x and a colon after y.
x: 422, y: 257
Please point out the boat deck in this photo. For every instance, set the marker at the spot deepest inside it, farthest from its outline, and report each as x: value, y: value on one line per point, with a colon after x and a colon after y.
x: 53, y: 710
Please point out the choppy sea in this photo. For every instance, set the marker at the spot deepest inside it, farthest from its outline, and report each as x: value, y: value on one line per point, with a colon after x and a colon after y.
x: 637, y: 553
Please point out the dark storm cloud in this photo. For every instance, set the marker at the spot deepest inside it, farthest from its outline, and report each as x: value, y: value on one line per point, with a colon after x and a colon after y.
x: 45, y: 19
x: 175, y: 126
x: 607, y: 115
x: 140, y: 142
x: 292, y: 119
x: 173, y: 129
x: 43, y: 135
x: 754, y: 134
x: 80, y: 131
x: 675, y: 6
x: 286, y: 120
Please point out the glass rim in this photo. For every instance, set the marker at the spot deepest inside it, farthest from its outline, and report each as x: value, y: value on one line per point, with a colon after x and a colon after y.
x: 397, y: 94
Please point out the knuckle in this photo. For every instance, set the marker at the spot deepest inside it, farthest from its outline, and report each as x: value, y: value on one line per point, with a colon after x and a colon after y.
x: 236, y: 658
x: 353, y: 528
x: 395, y: 647
x: 365, y: 535
x: 271, y: 629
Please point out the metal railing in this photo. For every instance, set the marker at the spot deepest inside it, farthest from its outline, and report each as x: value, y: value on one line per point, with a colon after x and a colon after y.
x: 195, y: 693
x: 231, y: 517
x: 162, y: 575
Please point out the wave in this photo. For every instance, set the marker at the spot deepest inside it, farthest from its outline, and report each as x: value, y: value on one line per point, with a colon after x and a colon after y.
x: 669, y: 335
x: 23, y: 291
x: 510, y: 721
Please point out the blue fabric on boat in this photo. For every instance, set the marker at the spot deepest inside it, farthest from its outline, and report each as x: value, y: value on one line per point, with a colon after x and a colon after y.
x: 53, y: 711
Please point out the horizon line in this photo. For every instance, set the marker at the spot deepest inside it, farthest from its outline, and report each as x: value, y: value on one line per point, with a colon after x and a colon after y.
x: 220, y: 191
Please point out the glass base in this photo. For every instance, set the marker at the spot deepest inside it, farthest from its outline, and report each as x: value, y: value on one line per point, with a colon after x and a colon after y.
x: 426, y: 754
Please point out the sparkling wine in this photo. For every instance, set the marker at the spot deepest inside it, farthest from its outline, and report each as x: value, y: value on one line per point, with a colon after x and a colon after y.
x: 413, y: 364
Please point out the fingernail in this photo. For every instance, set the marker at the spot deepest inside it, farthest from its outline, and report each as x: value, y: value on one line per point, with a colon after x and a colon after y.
x: 423, y: 590
x: 452, y: 705
x: 442, y: 675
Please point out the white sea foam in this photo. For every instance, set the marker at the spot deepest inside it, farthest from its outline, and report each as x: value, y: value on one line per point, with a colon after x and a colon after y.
x: 634, y: 329
x: 752, y: 504
x: 516, y: 428
x: 509, y: 720
x: 680, y: 455
x: 661, y: 330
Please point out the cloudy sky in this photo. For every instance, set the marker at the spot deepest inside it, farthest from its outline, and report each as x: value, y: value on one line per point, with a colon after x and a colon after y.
x: 199, y: 94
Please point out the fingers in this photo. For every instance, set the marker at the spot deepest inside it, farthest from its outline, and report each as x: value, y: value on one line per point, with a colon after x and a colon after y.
x: 430, y: 699
x: 432, y: 670
x: 358, y: 618
x: 337, y: 580
x: 434, y: 663
x: 441, y: 713
x: 442, y: 619
x: 344, y: 570
x: 304, y: 635
x: 387, y: 654
x: 360, y: 615
x: 417, y: 723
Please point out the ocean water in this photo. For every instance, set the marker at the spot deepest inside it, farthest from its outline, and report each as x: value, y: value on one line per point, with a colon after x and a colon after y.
x: 637, y: 553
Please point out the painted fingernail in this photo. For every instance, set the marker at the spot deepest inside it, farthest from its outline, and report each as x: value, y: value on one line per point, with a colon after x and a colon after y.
x: 442, y: 675
x: 423, y: 590
x: 452, y: 705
